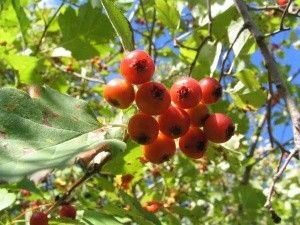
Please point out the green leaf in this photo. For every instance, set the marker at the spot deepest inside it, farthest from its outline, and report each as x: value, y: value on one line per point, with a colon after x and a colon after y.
x: 85, y: 32
x: 233, y: 30
x: 249, y: 79
x: 120, y: 23
x: 127, y: 162
x: 22, y: 17
x: 95, y: 217
x: 168, y: 14
x: 6, y: 199
x: 45, y: 132
x: 27, y: 67
x: 65, y: 221
x: 251, y: 198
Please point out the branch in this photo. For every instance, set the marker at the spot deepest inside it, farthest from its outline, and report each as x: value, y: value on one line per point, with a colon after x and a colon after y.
x: 61, y: 68
x: 272, y: 70
x: 276, y: 8
x: 229, y: 50
x: 282, y: 28
x: 47, y: 25
x: 206, y: 39
x: 275, y: 76
x: 280, y: 171
x: 248, y: 168
x: 93, y: 169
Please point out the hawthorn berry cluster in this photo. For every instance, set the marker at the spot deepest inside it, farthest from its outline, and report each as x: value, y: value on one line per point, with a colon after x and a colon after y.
x: 165, y: 115
x: 41, y: 218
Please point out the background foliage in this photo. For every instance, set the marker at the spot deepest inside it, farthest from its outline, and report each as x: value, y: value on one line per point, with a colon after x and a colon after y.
x: 74, y: 47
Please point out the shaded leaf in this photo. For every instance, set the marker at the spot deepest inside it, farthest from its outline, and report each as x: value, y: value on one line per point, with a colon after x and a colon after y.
x: 120, y: 24
x: 45, y: 132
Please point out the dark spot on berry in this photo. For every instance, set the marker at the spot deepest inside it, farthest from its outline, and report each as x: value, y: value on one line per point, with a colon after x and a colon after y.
x: 230, y: 131
x: 113, y: 102
x: 175, y: 131
x: 141, y: 66
x: 218, y: 92
x: 164, y: 158
x: 184, y: 92
x: 200, y: 146
x: 202, y: 120
x: 157, y: 92
x: 142, y: 139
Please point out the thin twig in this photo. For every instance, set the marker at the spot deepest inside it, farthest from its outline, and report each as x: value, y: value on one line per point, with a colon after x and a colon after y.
x: 229, y: 50
x: 280, y: 171
x: 285, y: 14
x: 206, y: 39
x: 151, y: 42
x: 95, y: 168
x: 257, y: 133
x: 61, y: 68
x: 47, y: 25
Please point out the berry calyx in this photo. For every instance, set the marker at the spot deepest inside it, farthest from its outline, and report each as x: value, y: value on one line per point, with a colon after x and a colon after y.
x: 39, y: 218
x: 219, y: 128
x: 119, y: 93
x: 161, y: 150
x: 137, y: 67
x: 68, y: 211
x: 186, y: 92
x: 198, y: 115
x: 211, y: 90
x: 174, y: 122
x: 143, y: 128
x: 194, y: 143
x: 153, y: 98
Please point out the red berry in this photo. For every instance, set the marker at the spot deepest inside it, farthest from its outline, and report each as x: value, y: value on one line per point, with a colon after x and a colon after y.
x: 211, y: 90
x: 198, y: 115
x: 68, y: 211
x: 143, y: 128
x: 194, y: 143
x: 25, y: 193
x: 161, y: 150
x: 219, y: 128
x: 137, y: 67
x: 119, y: 93
x: 186, y: 92
x: 153, y: 98
x: 174, y: 122
x: 152, y: 206
x: 39, y: 218
x: 282, y: 3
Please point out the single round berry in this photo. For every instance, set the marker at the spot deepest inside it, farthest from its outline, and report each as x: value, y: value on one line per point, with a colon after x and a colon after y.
x: 153, y: 98
x: 174, y: 122
x: 137, y: 67
x: 198, y: 115
x: 143, y: 128
x: 194, y: 143
x: 161, y: 150
x: 39, y: 218
x: 186, y: 92
x: 211, y: 90
x: 282, y: 3
x: 219, y: 128
x: 119, y: 93
x: 68, y: 211
x: 152, y: 206
x: 25, y: 192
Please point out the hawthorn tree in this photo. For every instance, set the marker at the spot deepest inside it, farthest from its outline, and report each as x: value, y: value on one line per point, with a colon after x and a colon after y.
x: 65, y: 154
